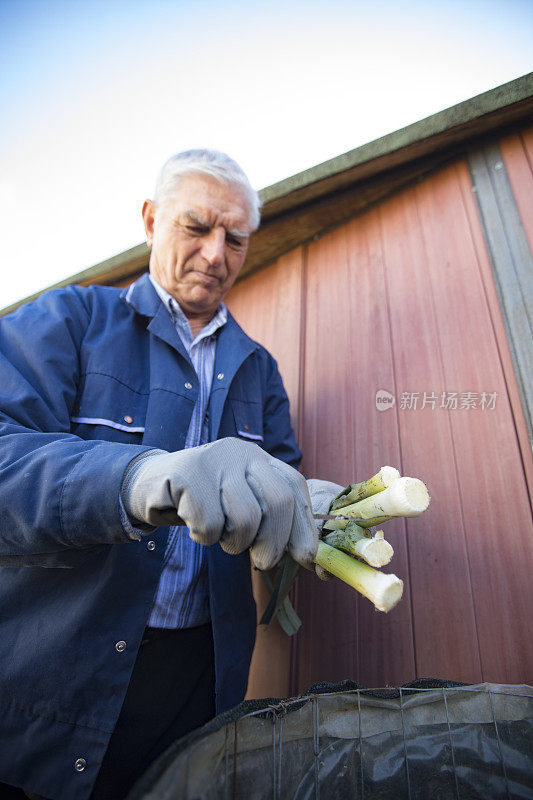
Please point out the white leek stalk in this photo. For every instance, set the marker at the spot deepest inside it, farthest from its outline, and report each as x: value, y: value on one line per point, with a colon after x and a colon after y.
x: 375, y: 550
x: 406, y: 497
x: 383, y: 590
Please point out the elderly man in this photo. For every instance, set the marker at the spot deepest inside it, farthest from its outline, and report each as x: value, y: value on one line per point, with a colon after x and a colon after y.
x: 126, y: 416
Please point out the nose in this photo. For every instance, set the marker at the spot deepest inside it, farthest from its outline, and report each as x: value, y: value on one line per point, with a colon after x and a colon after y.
x: 214, y: 245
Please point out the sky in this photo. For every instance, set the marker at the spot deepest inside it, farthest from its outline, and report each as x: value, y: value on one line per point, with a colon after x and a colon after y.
x: 96, y: 94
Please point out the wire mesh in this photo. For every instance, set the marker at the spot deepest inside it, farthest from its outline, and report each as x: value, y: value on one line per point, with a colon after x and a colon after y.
x: 416, y: 742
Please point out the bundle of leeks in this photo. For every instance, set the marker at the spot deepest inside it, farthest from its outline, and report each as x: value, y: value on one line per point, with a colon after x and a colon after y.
x: 351, y: 550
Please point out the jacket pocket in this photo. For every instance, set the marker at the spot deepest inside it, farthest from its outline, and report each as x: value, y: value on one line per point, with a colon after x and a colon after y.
x: 248, y: 419
x: 108, y: 409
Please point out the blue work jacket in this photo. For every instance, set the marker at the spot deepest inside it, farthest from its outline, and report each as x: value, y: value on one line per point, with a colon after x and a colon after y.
x: 89, y: 377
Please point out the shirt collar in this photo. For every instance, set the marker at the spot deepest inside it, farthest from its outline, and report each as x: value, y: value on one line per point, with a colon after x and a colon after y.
x: 180, y: 320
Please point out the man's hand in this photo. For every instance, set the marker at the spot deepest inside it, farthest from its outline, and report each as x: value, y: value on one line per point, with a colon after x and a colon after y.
x: 322, y: 493
x: 230, y: 492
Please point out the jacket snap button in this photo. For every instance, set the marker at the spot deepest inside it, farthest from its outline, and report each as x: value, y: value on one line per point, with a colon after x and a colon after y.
x: 128, y: 419
x: 151, y: 546
x: 120, y: 647
x: 220, y: 376
x: 188, y: 385
x: 80, y: 764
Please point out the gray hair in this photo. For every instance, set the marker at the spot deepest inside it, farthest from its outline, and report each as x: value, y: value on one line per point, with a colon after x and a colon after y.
x: 206, y: 162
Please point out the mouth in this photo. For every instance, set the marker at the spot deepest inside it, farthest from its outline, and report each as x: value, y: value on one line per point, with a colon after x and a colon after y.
x: 202, y: 277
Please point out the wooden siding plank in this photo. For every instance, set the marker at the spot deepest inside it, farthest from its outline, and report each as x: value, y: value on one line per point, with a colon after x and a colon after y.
x: 344, y: 438
x: 518, y: 160
x: 387, y: 643
x: 267, y: 305
x: 439, y: 581
x: 511, y: 261
x: 323, y: 641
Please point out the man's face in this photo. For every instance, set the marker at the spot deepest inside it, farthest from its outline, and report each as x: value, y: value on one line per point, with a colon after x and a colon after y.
x: 199, y: 241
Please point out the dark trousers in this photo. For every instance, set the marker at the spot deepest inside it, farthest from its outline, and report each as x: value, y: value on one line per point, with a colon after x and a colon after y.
x: 171, y: 692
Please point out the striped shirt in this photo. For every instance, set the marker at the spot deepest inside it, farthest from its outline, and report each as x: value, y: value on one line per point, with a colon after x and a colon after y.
x: 182, y: 597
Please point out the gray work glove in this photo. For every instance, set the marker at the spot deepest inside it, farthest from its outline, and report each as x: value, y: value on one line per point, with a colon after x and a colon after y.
x: 230, y: 492
x: 322, y: 493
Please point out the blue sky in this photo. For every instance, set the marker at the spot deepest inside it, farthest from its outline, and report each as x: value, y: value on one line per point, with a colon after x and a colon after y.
x: 94, y: 96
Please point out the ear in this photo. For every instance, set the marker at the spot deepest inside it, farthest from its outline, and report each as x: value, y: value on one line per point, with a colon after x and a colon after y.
x: 149, y: 220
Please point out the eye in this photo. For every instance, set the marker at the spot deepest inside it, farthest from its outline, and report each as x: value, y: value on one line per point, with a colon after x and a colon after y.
x: 234, y: 242
x: 198, y: 230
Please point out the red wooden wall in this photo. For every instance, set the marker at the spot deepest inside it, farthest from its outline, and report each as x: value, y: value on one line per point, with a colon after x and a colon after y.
x: 402, y: 299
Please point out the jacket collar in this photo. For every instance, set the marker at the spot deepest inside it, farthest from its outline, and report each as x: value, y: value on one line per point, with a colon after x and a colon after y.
x: 142, y: 296
x: 234, y: 344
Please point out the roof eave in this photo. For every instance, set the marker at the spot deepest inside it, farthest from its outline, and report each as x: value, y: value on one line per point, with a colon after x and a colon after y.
x: 311, y: 202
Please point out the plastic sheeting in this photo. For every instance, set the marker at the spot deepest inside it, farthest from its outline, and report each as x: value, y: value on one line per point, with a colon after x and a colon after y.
x: 428, y: 740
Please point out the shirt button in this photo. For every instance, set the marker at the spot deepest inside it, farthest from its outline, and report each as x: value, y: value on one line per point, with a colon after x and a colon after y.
x: 220, y: 376
x: 80, y: 764
x: 188, y: 385
x: 128, y: 419
x: 120, y: 647
x: 150, y: 546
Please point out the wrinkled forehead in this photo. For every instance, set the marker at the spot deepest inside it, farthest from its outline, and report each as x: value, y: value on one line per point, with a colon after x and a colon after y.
x: 208, y: 200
